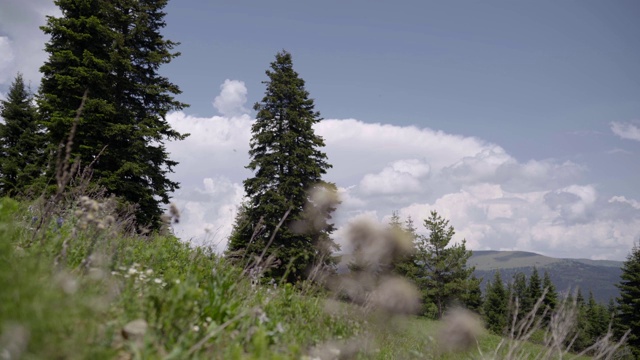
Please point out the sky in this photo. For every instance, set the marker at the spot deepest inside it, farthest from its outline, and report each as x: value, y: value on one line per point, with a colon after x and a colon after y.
x: 517, y: 121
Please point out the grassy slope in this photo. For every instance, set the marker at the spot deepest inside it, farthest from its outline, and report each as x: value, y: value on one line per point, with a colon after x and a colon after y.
x: 193, y: 303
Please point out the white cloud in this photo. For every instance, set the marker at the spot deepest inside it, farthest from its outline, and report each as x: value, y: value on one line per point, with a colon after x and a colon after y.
x: 621, y: 199
x: 626, y: 130
x: 21, y: 40
x: 403, y: 176
x: 233, y: 96
x: 6, y: 59
x: 493, y: 200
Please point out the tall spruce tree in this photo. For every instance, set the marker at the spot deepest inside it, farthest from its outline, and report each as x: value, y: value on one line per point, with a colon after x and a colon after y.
x: 21, y: 141
x: 551, y: 296
x: 628, y: 311
x: 520, y: 291
x: 113, y: 49
x: 495, y: 305
x: 444, y: 274
x: 288, y: 165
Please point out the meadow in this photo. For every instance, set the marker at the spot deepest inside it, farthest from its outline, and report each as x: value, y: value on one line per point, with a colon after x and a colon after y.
x: 77, y: 282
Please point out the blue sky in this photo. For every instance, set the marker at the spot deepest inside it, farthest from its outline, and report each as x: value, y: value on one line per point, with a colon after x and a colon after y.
x: 542, y: 79
x: 518, y: 120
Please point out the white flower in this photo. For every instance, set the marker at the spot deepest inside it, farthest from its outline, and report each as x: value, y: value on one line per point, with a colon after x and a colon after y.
x: 157, y: 281
x: 196, y: 328
x: 132, y: 271
x: 208, y: 319
x: 177, y: 281
x: 149, y: 272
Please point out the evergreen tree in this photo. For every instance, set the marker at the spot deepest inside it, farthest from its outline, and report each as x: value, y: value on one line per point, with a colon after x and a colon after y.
x: 597, y: 318
x: 407, y: 265
x: 535, y: 286
x: 472, y: 298
x: 495, y: 305
x: 551, y: 297
x: 520, y: 291
x: 113, y: 49
x: 21, y: 141
x: 288, y: 165
x: 628, y: 311
x: 444, y: 274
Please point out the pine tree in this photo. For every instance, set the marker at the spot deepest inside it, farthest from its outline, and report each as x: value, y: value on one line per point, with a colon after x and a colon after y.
x: 21, y: 141
x: 495, y: 305
x: 444, y: 274
x: 472, y: 298
x: 288, y: 165
x: 551, y: 296
x: 597, y: 318
x: 628, y: 311
x: 535, y: 285
x: 113, y: 50
x: 520, y: 291
x: 405, y: 266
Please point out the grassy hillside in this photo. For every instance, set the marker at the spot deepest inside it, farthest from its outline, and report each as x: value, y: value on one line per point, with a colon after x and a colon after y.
x: 599, y: 276
x: 86, y: 288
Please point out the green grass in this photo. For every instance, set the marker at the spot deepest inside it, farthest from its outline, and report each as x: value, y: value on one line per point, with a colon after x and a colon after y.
x: 72, y: 292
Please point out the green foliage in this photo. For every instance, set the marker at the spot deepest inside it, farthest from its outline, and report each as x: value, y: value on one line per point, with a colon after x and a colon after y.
x: 473, y: 295
x: 21, y: 141
x: 288, y: 166
x: 628, y: 311
x: 495, y: 305
x: 550, y: 301
x: 193, y: 302
x: 444, y: 274
x: 535, y: 287
x: 407, y: 265
x: 521, y: 292
x: 113, y: 50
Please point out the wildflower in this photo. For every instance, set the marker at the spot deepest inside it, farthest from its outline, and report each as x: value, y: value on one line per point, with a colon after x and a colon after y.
x: 177, y: 281
x: 149, y: 272
x: 208, y: 319
x: 157, y: 281
x: 279, y: 328
x: 196, y: 328
x: 132, y: 271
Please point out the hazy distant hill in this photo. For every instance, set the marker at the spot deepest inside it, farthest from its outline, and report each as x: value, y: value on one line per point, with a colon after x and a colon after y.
x: 599, y: 276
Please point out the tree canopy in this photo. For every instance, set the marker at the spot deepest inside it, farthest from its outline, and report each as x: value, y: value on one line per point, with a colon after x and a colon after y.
x: 113, y: 50
x: 21, y: 141
x: 289, y: 205
x: 628, y: 314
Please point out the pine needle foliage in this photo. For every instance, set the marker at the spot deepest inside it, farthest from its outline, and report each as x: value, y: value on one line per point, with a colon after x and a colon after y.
x: 288, y: 165
x: 628, y: 314
x: 113, y: 49
x: 21, y: 141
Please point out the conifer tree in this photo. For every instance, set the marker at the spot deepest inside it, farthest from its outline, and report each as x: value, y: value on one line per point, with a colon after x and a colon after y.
x: 551, y: 296
x: 113, y: 49
x: 535, y: 286
x: 406, y: 266
x: 21, y: 141
x: 521, y: 292
x: 495, y: 305
x: 472, y: 298
x: 444, y: 273
x: 288, y: 165
x: 628, y: 311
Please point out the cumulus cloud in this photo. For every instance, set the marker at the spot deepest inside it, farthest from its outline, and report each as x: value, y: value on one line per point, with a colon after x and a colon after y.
x: 402, y: 176
x: 626, y: 130
x: 493, y: 200
x: 21, y: 40
x: 621, y: 199
x: 233, y: 96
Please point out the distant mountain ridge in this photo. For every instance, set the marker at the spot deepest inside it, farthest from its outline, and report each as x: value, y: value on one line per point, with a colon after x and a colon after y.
x: 598, y: 276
